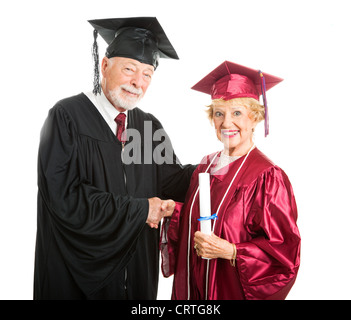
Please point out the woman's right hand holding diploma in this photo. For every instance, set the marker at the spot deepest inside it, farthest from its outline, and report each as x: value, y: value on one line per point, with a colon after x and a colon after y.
x: 212, y: 247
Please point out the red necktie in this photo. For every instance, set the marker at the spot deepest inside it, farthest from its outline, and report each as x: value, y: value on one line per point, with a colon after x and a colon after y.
x: 120, y: 120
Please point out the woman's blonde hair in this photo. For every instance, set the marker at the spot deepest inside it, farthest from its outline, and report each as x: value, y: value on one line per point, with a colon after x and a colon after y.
x: 256, y: 109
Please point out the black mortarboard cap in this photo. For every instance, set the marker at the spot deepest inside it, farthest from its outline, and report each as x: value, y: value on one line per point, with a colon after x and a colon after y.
x: 139, y: 38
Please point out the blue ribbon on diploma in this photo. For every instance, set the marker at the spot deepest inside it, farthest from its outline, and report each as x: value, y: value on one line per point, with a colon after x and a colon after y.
x: 213, y: 217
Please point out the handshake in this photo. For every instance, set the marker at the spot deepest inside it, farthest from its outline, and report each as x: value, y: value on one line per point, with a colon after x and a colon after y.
x: 159, y: 209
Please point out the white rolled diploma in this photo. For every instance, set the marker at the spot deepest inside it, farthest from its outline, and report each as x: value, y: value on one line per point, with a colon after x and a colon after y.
x: 205, y: 202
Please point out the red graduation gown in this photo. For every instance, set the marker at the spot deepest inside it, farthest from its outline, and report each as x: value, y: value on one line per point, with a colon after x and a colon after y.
x: 258, y: 214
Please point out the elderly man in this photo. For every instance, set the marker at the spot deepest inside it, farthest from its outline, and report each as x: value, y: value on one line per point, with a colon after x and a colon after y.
x: 100, y: 186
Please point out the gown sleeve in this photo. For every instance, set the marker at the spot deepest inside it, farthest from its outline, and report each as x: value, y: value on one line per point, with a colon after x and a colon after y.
x: 174, y: 176
x: 169, y: 241
x: 170, y: 231
x: 269, y: 262
x: 95, y: 230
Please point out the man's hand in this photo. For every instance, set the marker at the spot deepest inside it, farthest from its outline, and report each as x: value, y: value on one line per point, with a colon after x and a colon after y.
x: 159, y: 209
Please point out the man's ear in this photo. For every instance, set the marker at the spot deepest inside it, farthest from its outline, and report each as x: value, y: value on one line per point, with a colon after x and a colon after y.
x: 104, y: 66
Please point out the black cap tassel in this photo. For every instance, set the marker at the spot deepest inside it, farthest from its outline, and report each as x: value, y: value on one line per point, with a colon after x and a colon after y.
x: 95, y: 53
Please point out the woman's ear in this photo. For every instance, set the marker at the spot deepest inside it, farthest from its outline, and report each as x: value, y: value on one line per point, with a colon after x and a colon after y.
x: 254, y: 124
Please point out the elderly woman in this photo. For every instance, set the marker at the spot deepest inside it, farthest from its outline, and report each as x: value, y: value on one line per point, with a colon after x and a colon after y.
x: 254, y: 249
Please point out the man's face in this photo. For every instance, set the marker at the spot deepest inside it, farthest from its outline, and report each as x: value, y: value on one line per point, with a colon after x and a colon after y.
x: 125, y: 81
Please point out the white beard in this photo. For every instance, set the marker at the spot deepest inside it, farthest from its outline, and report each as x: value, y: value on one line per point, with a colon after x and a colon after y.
x: 120, y: 99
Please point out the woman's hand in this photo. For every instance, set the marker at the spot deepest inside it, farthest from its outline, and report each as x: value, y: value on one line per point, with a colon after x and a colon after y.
x: 167, y: 207
x: 159, y: 209
x: 211, y: 246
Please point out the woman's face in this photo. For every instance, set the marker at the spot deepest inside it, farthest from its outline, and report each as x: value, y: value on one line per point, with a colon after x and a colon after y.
x: 233, y: 127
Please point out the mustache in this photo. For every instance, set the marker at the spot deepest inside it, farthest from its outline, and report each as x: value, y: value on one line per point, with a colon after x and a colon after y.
x: 132, y: 89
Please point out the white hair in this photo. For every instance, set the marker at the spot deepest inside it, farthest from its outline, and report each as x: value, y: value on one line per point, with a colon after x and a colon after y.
x: 120, y: 99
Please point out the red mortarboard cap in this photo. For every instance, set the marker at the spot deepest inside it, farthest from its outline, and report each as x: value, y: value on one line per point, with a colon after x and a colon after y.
x: 230, y: 80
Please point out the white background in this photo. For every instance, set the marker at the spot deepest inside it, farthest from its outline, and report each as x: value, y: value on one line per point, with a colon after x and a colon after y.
x: 45, y: 56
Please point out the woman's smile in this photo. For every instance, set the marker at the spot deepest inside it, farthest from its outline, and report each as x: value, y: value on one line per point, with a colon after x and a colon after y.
x: 229, y: 133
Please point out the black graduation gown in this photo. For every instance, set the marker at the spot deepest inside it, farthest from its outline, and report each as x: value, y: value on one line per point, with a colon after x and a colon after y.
x: 92, y: 239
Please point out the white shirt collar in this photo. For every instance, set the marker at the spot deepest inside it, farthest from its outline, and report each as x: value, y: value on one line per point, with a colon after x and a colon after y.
x: 106, y: 109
